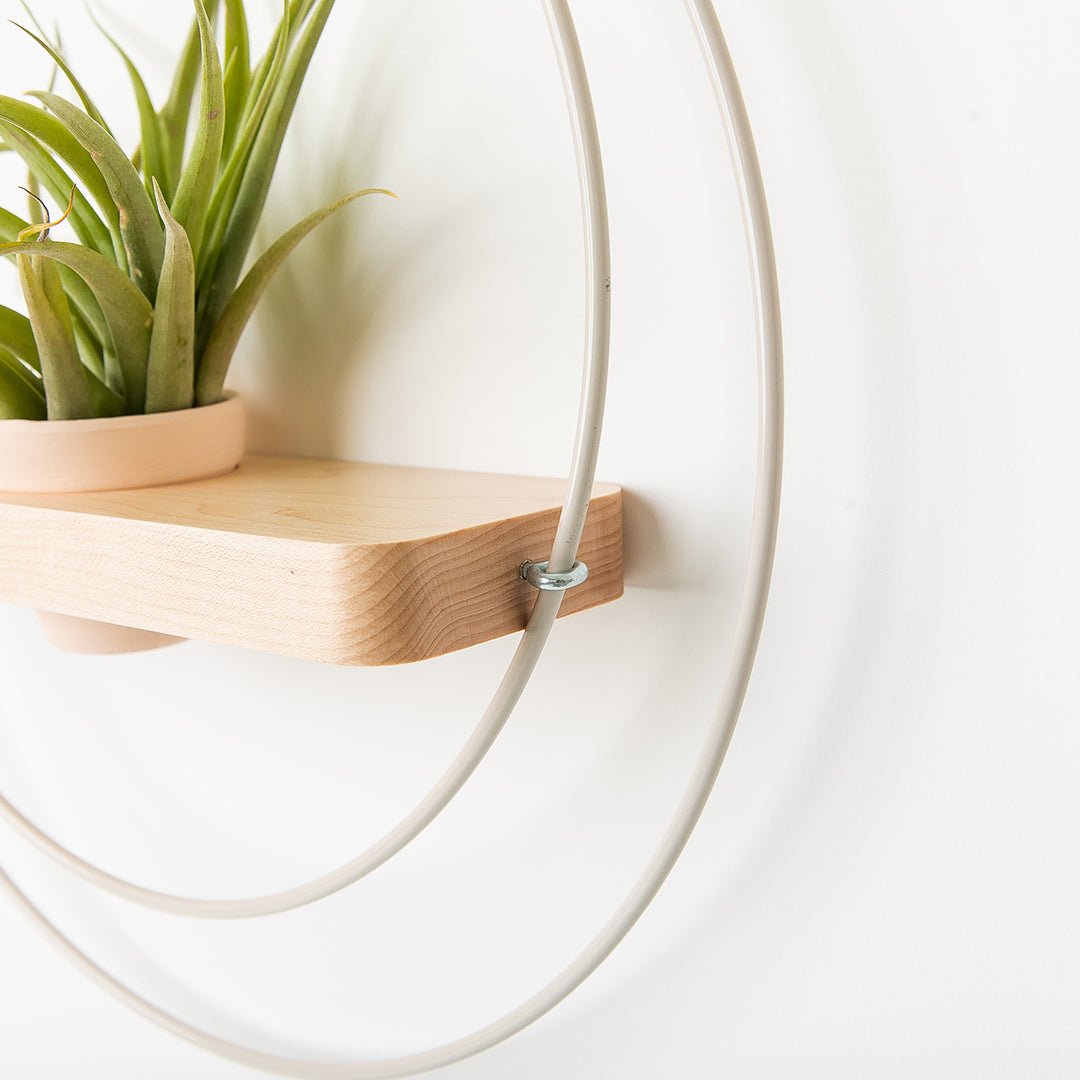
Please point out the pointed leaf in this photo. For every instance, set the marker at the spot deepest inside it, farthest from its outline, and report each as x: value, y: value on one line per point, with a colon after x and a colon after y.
x: 177, y: 110
x: 67, y: 395
x: 44, y: 168
x: 151, y: 150
x: 127, y: 313
x: 37, y: 25
x: 237, y: 71
x: 236, y: 33
x: 144, y: 239
x: 251, y: 196
x: 62, y: 64
x: 221, y: 203
x: 196, y: 185
x: 214, y: 362
x: 51, y: 132
x: 170, y: 370
x: 281, y: 37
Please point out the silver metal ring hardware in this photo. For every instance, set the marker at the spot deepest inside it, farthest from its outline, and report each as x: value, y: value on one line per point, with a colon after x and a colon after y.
x: 536, y: 574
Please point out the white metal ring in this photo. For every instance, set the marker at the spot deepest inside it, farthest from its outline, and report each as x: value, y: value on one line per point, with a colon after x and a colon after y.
x: 751, y: 611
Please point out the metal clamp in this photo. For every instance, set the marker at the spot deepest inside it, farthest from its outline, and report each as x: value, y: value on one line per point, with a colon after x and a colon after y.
x: 536, y: 574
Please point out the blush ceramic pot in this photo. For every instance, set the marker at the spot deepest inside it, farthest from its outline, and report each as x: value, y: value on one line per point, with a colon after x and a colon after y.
x: 111, y: 454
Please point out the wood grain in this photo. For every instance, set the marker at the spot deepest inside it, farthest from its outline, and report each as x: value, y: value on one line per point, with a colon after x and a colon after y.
x: 338, y: 562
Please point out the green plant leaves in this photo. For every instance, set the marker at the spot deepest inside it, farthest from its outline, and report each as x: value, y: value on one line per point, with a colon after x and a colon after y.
x: 127, y: 314
x: 18, y: 399
x: 237, y: 70
x: 22, y: 393
x: 18, y: 337
x: 226, y: 333
x: 51, y: 133
x: 196, y: 186
x: 62, y: 64
x: 144, y: 313
x: 152, y: 149
x: 57, y: 182
x: 66, y: 391
x: 222, y: 204
x: 10, y: 226
x: 170, y: 372
x: 144, y: 240
x: 251, y: 195
x: 176, y: 111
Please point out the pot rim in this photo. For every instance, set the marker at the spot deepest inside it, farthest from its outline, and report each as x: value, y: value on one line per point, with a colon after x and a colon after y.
x: 115, y: 453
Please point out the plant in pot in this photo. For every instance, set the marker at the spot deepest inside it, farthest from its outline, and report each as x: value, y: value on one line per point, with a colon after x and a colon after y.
x: 114, y: 376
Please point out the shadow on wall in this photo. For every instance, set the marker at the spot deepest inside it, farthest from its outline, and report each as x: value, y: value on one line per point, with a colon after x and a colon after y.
x: 357, y: 276
x: 318, y: 317
x: 647, y: 555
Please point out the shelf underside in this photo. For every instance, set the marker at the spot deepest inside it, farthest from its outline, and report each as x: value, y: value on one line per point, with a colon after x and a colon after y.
x: 339, y: 562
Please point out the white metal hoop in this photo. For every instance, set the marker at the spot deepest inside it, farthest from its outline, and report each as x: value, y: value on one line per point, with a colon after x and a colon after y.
x: 751, y: 611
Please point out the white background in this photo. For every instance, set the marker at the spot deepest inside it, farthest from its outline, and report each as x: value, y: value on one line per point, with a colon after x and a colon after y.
x: 885, y: 882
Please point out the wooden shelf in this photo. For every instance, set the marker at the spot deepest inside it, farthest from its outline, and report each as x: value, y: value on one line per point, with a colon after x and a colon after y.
x: 333, y: 561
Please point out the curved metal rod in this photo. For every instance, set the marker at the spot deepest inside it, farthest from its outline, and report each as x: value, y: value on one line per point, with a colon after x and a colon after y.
x: 747, y: 633
x: 545, y: 608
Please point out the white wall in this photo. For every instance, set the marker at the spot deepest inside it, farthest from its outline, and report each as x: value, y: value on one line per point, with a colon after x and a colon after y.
x: 885, y: 882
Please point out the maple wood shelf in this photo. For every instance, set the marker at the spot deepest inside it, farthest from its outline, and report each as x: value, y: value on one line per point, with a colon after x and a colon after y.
x: 338, y: 562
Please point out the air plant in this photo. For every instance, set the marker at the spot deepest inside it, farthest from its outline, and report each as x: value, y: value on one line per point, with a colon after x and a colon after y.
x: 143, y: 314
